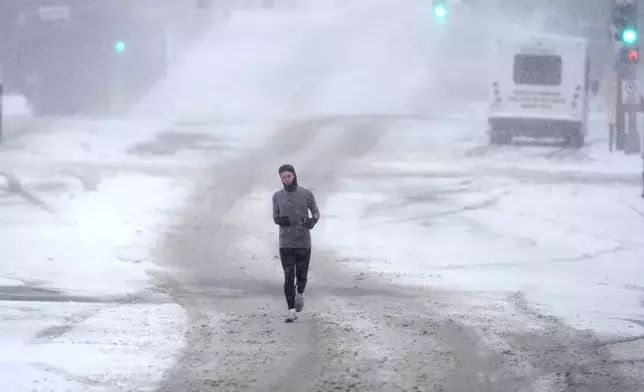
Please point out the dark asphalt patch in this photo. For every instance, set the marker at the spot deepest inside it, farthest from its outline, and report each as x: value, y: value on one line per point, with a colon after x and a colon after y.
x: 39, y: 294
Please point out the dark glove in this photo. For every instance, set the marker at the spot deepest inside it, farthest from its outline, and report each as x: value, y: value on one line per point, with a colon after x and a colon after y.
x: 283, y: 221
x: 309, y: 223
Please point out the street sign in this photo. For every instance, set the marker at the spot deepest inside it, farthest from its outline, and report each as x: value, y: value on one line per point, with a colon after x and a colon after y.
x: 631, y: 93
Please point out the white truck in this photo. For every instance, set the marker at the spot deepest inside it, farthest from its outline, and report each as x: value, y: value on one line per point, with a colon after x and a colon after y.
x: 540, y: 89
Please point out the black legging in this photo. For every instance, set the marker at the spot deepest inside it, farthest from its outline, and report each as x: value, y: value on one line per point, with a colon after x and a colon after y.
x: 295, y: 262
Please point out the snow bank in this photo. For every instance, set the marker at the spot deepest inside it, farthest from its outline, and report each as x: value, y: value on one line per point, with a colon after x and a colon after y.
x: 92, y: 242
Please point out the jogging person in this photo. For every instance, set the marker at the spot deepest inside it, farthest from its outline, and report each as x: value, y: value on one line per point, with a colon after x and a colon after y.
x: 291, y: 207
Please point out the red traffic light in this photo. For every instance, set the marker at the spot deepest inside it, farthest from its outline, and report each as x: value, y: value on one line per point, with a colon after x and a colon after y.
x: 633, y: 55
x: 630, y: 55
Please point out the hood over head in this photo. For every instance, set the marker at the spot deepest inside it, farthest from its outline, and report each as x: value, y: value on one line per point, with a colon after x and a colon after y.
x: 289, y: 168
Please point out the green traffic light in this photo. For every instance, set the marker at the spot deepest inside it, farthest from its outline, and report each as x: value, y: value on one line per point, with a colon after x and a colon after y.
x: 119, y: 46
x: 440, y: 11
x: 629, y: 36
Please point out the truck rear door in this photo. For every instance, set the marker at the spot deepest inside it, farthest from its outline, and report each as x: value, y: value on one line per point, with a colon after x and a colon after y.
x: 540, y: 80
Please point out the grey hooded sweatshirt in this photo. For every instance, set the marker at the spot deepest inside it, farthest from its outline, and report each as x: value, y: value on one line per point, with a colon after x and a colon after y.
x: 295, y: 202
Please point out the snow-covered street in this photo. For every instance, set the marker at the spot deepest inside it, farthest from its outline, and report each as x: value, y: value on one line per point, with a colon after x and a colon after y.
x: 139, y: 253
x: 561, y: 227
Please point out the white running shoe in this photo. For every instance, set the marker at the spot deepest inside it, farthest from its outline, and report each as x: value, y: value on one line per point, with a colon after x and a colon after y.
x: 292, y: 317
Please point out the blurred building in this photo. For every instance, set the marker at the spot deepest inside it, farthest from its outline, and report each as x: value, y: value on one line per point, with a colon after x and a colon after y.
x: 78, y: 56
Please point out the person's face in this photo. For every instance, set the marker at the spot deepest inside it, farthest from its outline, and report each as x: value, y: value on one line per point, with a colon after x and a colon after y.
x: 287, y: 178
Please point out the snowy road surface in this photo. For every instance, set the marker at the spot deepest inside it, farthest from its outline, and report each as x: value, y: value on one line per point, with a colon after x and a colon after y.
x: 140, y: 255
x: 461, y: 273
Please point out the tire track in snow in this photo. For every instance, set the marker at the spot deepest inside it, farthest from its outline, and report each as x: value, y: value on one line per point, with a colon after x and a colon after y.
x: 563, y: 356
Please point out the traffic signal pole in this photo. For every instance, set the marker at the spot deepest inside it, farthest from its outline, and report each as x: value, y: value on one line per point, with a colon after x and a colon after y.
x: 627, y: 99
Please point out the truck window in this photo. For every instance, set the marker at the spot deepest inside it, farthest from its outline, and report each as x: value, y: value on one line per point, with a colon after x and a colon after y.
x: 533, y: 69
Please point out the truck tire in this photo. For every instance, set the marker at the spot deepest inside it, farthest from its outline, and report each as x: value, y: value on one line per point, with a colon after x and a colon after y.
x: 575, y: 140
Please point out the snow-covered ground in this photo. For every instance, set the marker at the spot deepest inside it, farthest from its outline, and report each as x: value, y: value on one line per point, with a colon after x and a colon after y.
x: 562, y: 227
x: 76, y: 239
